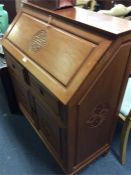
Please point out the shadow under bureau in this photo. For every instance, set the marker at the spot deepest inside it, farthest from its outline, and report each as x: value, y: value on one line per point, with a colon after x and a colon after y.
x: 69, y: 69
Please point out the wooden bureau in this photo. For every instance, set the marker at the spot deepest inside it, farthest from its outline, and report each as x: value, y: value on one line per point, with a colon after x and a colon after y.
x: 69, y: 69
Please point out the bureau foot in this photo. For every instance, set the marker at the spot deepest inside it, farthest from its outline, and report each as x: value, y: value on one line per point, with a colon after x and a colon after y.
x: 105, y: 153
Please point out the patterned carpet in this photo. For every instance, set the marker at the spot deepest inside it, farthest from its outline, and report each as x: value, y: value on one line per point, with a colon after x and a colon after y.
x: 22, y: 152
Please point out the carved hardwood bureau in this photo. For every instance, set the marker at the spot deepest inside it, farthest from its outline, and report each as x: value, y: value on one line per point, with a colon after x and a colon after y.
x: 69, y: 69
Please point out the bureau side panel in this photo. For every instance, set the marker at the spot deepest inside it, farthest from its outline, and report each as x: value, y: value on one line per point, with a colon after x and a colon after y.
x: 97, y: 108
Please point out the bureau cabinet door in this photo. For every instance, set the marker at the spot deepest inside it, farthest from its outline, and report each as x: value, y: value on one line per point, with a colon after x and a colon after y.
x: 17, y: 70
x: 48, y: 127
x: 14, y: 67
x: 50, y: 101
x: 32, y: 108
x: 20, y: 92
x: 25, y: 98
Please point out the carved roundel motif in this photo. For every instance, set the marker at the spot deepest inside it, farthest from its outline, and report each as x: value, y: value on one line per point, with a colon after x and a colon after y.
x: 38, y: 41
x: 98, y: 115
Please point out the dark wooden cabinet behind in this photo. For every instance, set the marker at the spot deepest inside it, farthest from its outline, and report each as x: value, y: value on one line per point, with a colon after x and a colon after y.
x: 69, y: 70
x: 9, y: 5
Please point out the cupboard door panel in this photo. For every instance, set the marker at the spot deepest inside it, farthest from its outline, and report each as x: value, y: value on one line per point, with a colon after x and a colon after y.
x: 48, y: 127
x: 14, y: 67
x: 50, y: 101
x: 20, y: 92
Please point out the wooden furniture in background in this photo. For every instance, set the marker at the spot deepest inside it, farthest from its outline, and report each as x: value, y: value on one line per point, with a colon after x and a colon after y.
x: 55, y: 4
x: 18, y: 5
x: 69, y: 68
x: 125, y: 117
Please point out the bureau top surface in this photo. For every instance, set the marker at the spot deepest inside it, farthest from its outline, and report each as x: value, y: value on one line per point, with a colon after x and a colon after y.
x: 113, y: 26
x: 109, y: 24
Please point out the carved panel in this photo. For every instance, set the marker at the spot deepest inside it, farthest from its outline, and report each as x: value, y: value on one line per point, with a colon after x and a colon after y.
x: 98, y: 115
x: 38, y: 41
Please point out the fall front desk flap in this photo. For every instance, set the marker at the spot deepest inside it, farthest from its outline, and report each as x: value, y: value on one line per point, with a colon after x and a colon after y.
x: 58, y: 58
